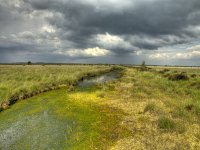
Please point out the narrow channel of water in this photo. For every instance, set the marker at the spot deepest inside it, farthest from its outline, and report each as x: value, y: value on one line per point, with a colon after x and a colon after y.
x: 58, y: 120
x: 110, y: 76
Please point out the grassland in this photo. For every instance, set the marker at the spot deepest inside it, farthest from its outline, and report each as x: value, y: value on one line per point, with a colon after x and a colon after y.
x: 20, y: 82
x: 163, y: 113
x: 157, y: 108
x: 61, y: 120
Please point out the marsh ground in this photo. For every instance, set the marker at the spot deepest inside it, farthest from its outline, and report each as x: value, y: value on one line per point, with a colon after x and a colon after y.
x: 150, y: 109
x: 22, y: 81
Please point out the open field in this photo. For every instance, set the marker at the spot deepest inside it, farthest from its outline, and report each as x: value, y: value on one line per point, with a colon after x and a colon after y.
x: 163, y: 113
x: 157, y: 108
x: 18, y: 81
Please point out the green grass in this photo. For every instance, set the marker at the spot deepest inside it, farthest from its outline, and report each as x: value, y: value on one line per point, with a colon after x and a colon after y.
x: 18, y: 80
x: 160, y: 113
x: 180, y: 95
x: 61, y: 120
x: 166, y: 123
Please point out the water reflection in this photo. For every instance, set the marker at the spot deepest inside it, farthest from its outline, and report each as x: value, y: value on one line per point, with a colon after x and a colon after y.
x: 100, y: 79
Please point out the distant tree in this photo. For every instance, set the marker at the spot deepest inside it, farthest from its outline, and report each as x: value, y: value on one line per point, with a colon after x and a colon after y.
x: 143, y: 64
x: 29, y: 63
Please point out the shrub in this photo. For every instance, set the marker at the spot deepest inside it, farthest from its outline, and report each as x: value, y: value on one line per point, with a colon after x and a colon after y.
x: 193, y: 75
x: 29, y: 63
x: 143, y: 64
x: 177, y: 77
x: 143, y: 67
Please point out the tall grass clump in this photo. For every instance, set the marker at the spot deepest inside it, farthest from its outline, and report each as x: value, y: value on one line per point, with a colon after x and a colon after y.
x: 166, y: 123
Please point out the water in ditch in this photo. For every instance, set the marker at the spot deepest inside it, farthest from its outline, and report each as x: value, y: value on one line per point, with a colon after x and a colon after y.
x: 62, y: 120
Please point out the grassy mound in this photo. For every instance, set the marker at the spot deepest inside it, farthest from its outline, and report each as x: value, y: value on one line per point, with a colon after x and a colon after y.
x: 178, y: 77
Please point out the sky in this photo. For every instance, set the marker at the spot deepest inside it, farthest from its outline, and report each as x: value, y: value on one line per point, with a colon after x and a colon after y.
x: 160, y: 32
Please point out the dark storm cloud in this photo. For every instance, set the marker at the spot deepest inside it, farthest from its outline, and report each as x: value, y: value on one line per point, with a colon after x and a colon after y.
x: 153, y: 18
x: 122, y: 27
x: 149, y: 17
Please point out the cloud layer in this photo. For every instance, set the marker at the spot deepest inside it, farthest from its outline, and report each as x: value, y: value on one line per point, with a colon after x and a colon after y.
x: 149, y: 29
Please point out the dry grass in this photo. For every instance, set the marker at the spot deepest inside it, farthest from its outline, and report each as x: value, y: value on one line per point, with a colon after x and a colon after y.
x: 159, y: 115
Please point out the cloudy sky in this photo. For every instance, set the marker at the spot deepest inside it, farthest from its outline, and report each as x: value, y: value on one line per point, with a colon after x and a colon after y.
x: 100, y: 31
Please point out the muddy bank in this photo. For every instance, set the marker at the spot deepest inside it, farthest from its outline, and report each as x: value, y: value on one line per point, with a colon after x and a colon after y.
x: 49, y: 87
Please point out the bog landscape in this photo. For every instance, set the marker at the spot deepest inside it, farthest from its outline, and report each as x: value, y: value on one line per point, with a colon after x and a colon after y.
x: 99, y: 74
x: 99, y: 107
